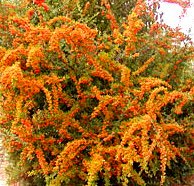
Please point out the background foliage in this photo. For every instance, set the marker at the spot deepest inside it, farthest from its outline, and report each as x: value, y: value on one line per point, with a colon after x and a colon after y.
x: 94, y: 95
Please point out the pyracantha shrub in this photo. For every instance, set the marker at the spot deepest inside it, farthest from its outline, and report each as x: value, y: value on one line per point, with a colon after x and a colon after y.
x: 88, y: 103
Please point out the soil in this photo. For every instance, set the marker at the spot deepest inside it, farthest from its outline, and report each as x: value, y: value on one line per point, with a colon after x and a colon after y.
x: 3, y: 164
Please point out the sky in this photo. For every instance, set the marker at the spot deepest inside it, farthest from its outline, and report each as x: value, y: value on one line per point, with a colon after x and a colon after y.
x: 172, y: 13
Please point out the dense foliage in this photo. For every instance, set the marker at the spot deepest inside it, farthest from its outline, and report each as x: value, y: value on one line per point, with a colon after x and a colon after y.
x: 93, y: 96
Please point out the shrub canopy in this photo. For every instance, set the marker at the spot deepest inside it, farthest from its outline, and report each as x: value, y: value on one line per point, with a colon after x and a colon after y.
x: 95, y: 95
